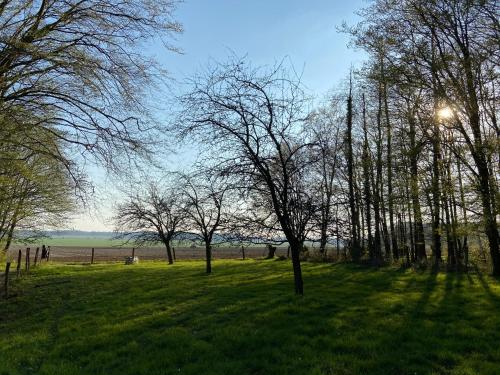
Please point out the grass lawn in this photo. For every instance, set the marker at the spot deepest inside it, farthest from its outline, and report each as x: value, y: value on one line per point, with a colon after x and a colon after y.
x: 152, y: 318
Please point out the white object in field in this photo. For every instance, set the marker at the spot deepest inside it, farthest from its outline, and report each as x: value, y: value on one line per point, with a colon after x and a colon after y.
x: 131, y: 260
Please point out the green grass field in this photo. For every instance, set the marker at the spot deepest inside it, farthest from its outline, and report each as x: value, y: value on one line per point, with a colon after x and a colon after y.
x: 152, y: 318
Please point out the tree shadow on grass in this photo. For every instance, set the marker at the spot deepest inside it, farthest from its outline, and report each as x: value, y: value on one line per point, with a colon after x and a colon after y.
x: 436, y: 329
x: 400, y: 336
x: 494, y: 298
x: 445, y: 330
x: 252, y: 327
x: 243, y: 319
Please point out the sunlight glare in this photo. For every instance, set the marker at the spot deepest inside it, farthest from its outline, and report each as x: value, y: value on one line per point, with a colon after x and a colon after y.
x: 445, y: 113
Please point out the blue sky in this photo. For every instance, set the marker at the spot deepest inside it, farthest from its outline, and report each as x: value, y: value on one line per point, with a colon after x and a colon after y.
x: 266, y: 32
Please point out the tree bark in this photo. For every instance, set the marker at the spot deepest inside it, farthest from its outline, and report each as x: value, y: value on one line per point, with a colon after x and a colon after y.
x: 355, y: 247
x: 436, y: 195
x: 487, y: 186
x: 169, y: 252
x: 208, y: 256
x: 295, y: 248
x: 465, y: 245
x: 323, y: 236
x: 390, y: 197
x: 271, y: 250
x: 367, y: 172
x: 490, y: 223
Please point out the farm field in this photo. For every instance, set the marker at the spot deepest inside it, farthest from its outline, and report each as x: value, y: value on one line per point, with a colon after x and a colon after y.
x: 106, y: 254
x: 108, y: 242
x: 79, y: 249
x: 152, y: 318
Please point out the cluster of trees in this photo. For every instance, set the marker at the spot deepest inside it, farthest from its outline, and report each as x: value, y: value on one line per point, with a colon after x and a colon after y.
x: 194, y: 206
x: 409, y: 148
x: 250, y: 124
x: 427, y: 149
x: 73, y: 84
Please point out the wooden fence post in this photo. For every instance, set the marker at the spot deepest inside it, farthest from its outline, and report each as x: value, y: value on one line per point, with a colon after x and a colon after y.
x: 19, y: 258
x: 6, y: 280
x: 36, y: 256
x: 133, y: 253
x: 27, y: 265
x: 92, y: 258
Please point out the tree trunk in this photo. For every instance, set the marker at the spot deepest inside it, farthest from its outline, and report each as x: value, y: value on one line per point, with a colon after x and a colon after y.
x: 325, y: 219
x: 465, y: 246
x: 10, y: 235
x: 323, y: 238
x: 436, y: 161
x: 454, y: 219
x: 490, y: 223
x: 408, y: 209
x: 208, y: 256
x: 436, y: 195
x: 355, y: 247
x: 377, y: 250
x: 295, y: 248
x: 360, y: 234
x: 487, y: 186
x: 415, y: 192
x: 271, y: 250
x: 385, y: 229
x: 377, y: 187
x: 12, y: 227
x: 367, y: 172
x: 169, y: 252
x: 452, y: 259
x: 390, y: 197
x: 380, y: 177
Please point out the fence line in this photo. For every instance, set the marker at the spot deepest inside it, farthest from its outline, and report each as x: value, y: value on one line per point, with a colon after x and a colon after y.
x: 19, y: 272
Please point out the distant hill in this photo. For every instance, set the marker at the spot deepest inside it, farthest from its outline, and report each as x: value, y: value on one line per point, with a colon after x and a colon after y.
x: 80, y: 233
x: 65, y: 233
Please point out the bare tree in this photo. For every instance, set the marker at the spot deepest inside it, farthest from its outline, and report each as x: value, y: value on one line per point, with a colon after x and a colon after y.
x: 252, y: 121
x: 156, y: 215
x: 205, y: 196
